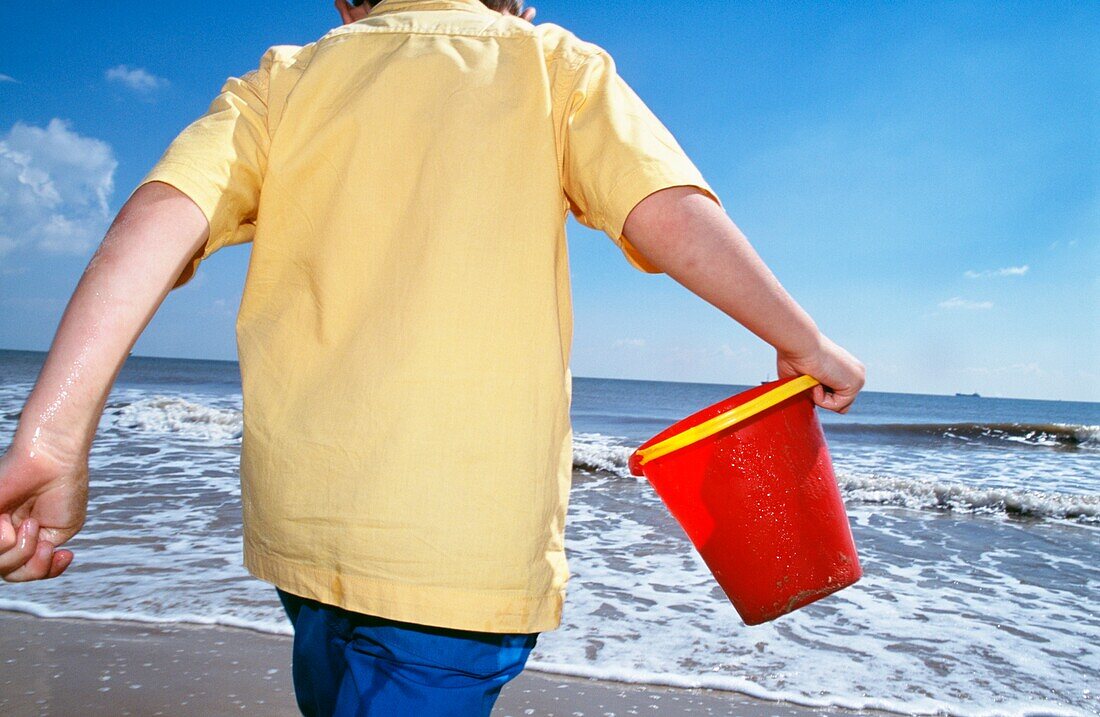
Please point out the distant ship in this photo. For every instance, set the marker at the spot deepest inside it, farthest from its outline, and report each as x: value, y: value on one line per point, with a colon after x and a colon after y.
x: 968, y: 395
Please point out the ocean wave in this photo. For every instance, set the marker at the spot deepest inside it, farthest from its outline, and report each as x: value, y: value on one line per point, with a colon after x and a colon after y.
x: 601, y: 454
x: 179, y: 416
x: 959, y: 498
x: 1066, y: 436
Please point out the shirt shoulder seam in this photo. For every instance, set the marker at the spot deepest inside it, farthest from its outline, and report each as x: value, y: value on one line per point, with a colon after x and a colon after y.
x: 341, y: 33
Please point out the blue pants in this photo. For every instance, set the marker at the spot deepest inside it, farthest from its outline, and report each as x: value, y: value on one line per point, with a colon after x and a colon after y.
x: 347, y: 664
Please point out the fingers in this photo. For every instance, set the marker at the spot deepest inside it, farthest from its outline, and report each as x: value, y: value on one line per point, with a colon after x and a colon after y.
x: 24, y: 557
x: 840, y: 402
x: 529, y: 14
x: 37, y: 567
x: 819, y: 394
x: 7, y: 533
x: 62, y: 559
x: 18, y: 544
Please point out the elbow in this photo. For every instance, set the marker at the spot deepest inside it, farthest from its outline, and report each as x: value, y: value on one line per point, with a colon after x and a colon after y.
x: 661, y: 227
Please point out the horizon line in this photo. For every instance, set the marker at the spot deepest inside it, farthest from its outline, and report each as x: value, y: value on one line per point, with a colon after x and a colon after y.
x: 639, y: 380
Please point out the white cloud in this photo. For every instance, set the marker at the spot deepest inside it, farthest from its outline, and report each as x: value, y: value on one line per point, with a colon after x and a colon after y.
x: 136, y: 78
x: 54, y: 187
x: 1027, y: 369
x: 7, y: 78
x: 956, y: 302
x: 1006, y: 271
x: 703, y: 356
x: 729, y: 352
x: 222, y: 308
x: 633, y: 343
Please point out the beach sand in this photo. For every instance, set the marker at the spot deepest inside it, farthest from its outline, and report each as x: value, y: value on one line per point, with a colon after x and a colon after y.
x: 62, y: 667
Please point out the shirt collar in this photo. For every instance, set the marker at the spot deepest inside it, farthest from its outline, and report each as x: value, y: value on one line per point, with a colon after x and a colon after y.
x: 388, y: 6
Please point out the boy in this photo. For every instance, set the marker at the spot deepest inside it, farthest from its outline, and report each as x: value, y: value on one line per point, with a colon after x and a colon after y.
x: 403, y: 334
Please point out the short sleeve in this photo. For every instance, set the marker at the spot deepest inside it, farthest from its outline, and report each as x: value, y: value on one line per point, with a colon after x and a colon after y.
x: 616, y: 153
x: 219, y: 162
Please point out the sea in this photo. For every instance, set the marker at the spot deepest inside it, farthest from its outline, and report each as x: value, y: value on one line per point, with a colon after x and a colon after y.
x: 977, y: 522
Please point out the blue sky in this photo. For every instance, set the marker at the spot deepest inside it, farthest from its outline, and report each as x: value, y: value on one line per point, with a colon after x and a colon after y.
x: 922, y: 177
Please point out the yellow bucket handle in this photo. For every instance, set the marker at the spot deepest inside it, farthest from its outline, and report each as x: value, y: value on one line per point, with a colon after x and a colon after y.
x: 726, y: 419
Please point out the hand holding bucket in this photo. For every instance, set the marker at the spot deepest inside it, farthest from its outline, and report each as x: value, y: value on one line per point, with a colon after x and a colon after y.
x: 750, y: 481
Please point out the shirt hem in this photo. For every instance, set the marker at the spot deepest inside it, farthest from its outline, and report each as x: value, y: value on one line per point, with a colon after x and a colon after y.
x: 478, y: 610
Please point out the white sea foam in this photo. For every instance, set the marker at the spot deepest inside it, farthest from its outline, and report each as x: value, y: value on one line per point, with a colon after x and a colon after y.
x: 643, y: 608
x: 707, y: 680
x: 597, y: 452
x: 954, y: 615
x: 743, y: 686
x: 1070, y: 436
x: 270, y: 627
x: 606, y: 454
x: 1088, y: 436
x: 181, y: 417
x: 942, y: 622
x: 1054, y: 435
x: 918, y: 494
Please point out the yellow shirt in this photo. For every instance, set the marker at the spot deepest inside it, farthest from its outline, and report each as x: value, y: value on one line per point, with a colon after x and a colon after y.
x: 406, y: 323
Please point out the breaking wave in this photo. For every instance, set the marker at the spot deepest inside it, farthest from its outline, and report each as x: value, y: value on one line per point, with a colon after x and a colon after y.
x: 1049, y: 435
x: 178, y: 416
x: 606, y: 455
x: 959, y: 498
x: 601, y: 454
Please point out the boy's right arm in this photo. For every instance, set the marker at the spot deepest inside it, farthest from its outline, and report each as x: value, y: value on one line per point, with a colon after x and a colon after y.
x: 685, y: 234
x: 624, y: 173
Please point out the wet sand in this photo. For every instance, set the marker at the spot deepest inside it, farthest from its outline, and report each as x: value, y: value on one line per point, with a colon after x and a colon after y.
x: 63, y: 667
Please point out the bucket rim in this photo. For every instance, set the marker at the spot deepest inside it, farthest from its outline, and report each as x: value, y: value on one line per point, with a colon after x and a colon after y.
x: 724, y: 420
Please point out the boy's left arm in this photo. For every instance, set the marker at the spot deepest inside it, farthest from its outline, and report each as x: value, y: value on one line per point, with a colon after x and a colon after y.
x: 203, y: 194
x: 43, y: 474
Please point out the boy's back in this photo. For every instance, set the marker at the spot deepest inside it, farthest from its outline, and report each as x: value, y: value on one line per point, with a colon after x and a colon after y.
x: 405, y: 329
x: 404, y: 333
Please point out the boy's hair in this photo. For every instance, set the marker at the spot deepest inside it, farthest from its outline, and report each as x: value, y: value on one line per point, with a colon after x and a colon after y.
x: 513, y: 6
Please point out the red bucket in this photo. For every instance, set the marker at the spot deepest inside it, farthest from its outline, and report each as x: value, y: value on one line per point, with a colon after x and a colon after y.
x: 750, y: 481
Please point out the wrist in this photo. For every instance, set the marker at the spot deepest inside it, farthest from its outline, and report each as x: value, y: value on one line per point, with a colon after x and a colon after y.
x: 803, y: 344
x: 34, y: 442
